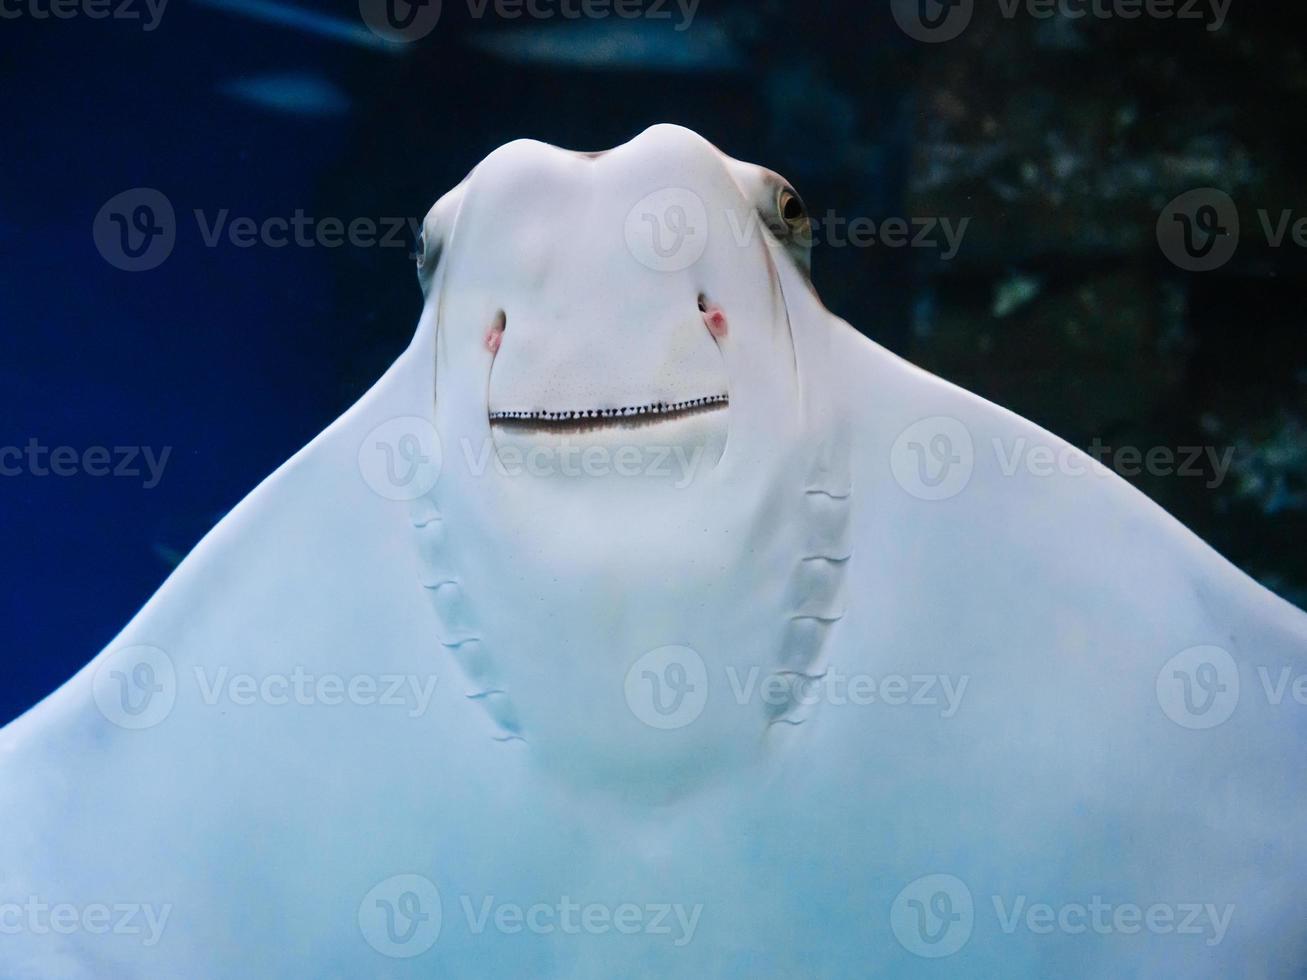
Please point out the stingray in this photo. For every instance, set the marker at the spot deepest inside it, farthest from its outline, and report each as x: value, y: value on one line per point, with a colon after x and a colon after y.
x: 647, y: 620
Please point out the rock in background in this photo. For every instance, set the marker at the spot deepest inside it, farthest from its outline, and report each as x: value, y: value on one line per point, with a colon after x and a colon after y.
x: 1064, y: 140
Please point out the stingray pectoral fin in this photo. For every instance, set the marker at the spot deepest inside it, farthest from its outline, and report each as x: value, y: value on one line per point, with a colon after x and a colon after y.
x: 283, y: 690
x: 1033, y: 645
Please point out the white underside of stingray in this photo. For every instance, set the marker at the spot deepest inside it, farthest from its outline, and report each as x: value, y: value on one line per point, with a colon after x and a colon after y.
x: 645, y: 620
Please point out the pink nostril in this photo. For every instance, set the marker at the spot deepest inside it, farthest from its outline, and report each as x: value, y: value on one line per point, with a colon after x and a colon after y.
x: 495, y: 335
x: 716, y: 321
x: 713, y: 317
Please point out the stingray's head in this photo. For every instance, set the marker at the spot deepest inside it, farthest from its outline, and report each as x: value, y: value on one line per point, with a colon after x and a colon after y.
x: 649, y: 306
x: 630, y: 298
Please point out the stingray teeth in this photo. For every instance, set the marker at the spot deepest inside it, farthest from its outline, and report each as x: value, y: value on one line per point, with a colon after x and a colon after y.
x: 653, y: 408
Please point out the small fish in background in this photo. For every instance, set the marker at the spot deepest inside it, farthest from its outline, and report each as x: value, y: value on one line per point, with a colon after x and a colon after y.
x: 293, y: 93
x: 178, y: 535
x: 172, y: 557
x: 1014, y: 293
x: 616, y: 45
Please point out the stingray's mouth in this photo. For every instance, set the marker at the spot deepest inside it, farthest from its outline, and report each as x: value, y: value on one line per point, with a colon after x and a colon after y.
x: 663, y: 386
x: 591, y: 419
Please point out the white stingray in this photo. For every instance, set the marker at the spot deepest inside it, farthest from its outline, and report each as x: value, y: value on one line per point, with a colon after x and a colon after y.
x: 645, y: 620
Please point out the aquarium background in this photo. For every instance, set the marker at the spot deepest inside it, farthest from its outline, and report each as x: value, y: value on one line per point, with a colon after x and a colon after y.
x: 1064, y: 140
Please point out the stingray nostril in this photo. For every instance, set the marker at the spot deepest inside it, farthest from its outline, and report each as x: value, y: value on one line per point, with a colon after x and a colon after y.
x: 495, y: 335
x: 713, y: 317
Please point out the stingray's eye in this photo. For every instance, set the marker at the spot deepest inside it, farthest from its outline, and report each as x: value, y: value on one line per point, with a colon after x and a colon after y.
x: 422, y: 248
x: 792, y: 211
